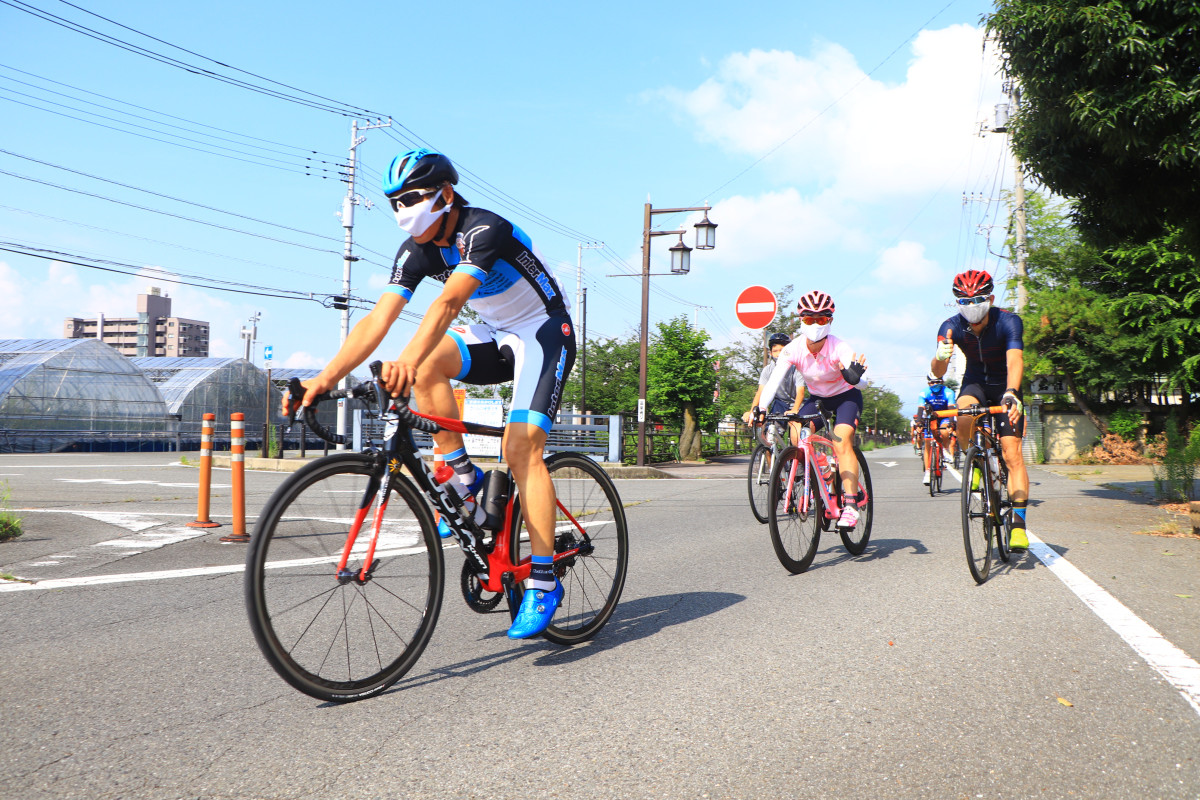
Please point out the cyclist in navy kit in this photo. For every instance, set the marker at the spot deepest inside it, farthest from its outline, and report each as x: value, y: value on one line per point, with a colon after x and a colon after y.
x: 527, y: 337
x: 993, y: 341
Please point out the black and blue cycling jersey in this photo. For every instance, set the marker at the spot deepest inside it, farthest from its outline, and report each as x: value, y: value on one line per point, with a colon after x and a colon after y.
x: 938, y: 398
x: 987, y: 353
x: 517, y: 287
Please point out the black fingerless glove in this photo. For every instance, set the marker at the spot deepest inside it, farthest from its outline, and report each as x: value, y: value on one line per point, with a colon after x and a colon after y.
x: 853, y: 373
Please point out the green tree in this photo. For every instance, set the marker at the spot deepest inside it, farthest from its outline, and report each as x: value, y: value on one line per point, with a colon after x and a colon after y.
x: 612, y: 376
x: 1109, y: 322
x: 1110, y: 108
x: 881, y: 410
x: 680, y: 380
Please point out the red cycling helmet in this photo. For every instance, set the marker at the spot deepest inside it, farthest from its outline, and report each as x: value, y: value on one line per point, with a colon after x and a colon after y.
x: 973, y: 283
x: 815, y: 303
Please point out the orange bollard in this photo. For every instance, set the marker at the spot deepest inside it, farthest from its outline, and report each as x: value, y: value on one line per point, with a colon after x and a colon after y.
x: 237, y: 466
x: 206, y: 434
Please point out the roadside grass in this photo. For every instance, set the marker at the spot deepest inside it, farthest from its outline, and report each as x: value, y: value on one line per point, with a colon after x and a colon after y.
x: 1169, y: 529
x: 10, y: 523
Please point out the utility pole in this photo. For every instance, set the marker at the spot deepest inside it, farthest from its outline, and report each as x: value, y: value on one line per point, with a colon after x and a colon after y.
x: 1020, y: 268
x: 581, y: 330
x: 250, y: 335
x: 348, y: 258
x: 583, y: 362
x: 1019, y: 211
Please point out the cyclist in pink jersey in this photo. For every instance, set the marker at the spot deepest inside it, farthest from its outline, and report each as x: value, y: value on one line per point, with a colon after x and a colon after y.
x: 830, y: 370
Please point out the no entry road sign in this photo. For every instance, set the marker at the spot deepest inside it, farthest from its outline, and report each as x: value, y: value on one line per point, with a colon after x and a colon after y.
x: 755, y: 307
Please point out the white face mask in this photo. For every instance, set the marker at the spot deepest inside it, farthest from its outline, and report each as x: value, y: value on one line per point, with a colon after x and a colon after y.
x: 975, y: 314
x: 416, y: 220
x: 815, y: 333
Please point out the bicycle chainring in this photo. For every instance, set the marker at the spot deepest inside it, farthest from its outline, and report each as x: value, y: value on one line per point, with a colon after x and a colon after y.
x: 479, y: 600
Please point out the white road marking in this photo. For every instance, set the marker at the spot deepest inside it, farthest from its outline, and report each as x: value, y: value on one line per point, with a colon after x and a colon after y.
x: 229, y: 569
x: 97, y: 466
x: 115, y: 482
x: 887, y: 463
x: 130, y: 522
x: 89, y: 513
x: 1176, y: 666
x: 155, y: 539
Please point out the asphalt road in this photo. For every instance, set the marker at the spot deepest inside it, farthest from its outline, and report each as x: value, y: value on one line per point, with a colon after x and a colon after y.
x: 890, y: 675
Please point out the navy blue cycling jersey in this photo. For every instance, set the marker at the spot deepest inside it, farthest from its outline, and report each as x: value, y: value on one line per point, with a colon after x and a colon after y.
x: 517, y: 288
x: 987, y: 354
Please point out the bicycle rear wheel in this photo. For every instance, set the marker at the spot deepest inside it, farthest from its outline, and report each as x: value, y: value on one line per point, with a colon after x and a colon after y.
x: 794, y: 517
x: 855, y: 539
x: 977, y: 522
x: 342, y: 639
x: 759, y: 480
x: 593, y: 579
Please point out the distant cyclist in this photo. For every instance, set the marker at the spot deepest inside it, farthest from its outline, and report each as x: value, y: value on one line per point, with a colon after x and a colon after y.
x: 788, y: 389
x: 831, y: 371
x: 993, y: 342
x: 935, y: 398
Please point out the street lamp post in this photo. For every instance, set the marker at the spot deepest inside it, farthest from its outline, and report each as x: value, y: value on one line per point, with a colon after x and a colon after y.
x: 706, y: 239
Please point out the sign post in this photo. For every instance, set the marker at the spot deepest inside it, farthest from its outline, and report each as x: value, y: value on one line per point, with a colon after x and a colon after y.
x: 755, y: 307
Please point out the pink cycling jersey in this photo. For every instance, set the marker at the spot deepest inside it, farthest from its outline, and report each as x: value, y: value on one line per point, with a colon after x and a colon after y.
x: 822, y: 371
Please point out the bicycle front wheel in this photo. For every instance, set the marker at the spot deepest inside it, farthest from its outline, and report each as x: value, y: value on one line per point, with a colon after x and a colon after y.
x: 343, y: 638
x: 977, y: 523
x: 855, y: 539
x: 1002, y: 510
x: 794, y: 515
x: 589, y: 517
x: 933, y: 472
x: 759, y: 480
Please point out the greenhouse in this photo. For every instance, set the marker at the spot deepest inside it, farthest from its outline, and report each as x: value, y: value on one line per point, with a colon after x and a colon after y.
x: 193, y: 387
x: 77, y: 394
x: 326, y: 412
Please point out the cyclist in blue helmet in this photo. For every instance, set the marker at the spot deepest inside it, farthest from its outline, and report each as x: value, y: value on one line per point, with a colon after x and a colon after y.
x: 526, y: 336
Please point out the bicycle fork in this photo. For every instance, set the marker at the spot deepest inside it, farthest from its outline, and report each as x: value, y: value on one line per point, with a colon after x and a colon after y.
x: 791, y: 485
x: 377, y: 491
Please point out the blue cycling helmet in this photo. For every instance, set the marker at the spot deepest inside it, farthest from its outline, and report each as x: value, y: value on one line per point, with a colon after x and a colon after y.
x: 418, y: 169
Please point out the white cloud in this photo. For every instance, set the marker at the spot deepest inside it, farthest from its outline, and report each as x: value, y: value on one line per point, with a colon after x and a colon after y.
x: 303, y: 360
x: 854, y: 136
x: 772, y: 227
x: 905, y: 264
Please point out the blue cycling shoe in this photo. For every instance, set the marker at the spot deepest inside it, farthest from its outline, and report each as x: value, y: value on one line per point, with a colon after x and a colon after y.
x: 537, y: 609
x: 474, y: 486
x: 444, y: 529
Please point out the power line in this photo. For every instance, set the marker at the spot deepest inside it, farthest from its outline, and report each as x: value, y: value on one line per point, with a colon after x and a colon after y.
x: 159, y: 241
x: 167, y: 196
x: 336, y: 107
x: 218, y: 63
x: 291, y: 156
x: 164, y: 213
x: 160, y: 113
x: 295, y: 169
x: 132, y: 269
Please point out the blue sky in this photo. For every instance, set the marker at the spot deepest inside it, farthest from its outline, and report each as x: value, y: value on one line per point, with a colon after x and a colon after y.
x: 836, y: 143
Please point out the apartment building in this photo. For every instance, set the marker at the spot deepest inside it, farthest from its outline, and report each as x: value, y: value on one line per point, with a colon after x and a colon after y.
x: 152, y: 333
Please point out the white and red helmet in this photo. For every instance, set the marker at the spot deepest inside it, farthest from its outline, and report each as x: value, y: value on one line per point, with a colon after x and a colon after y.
x: 815, y: 303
